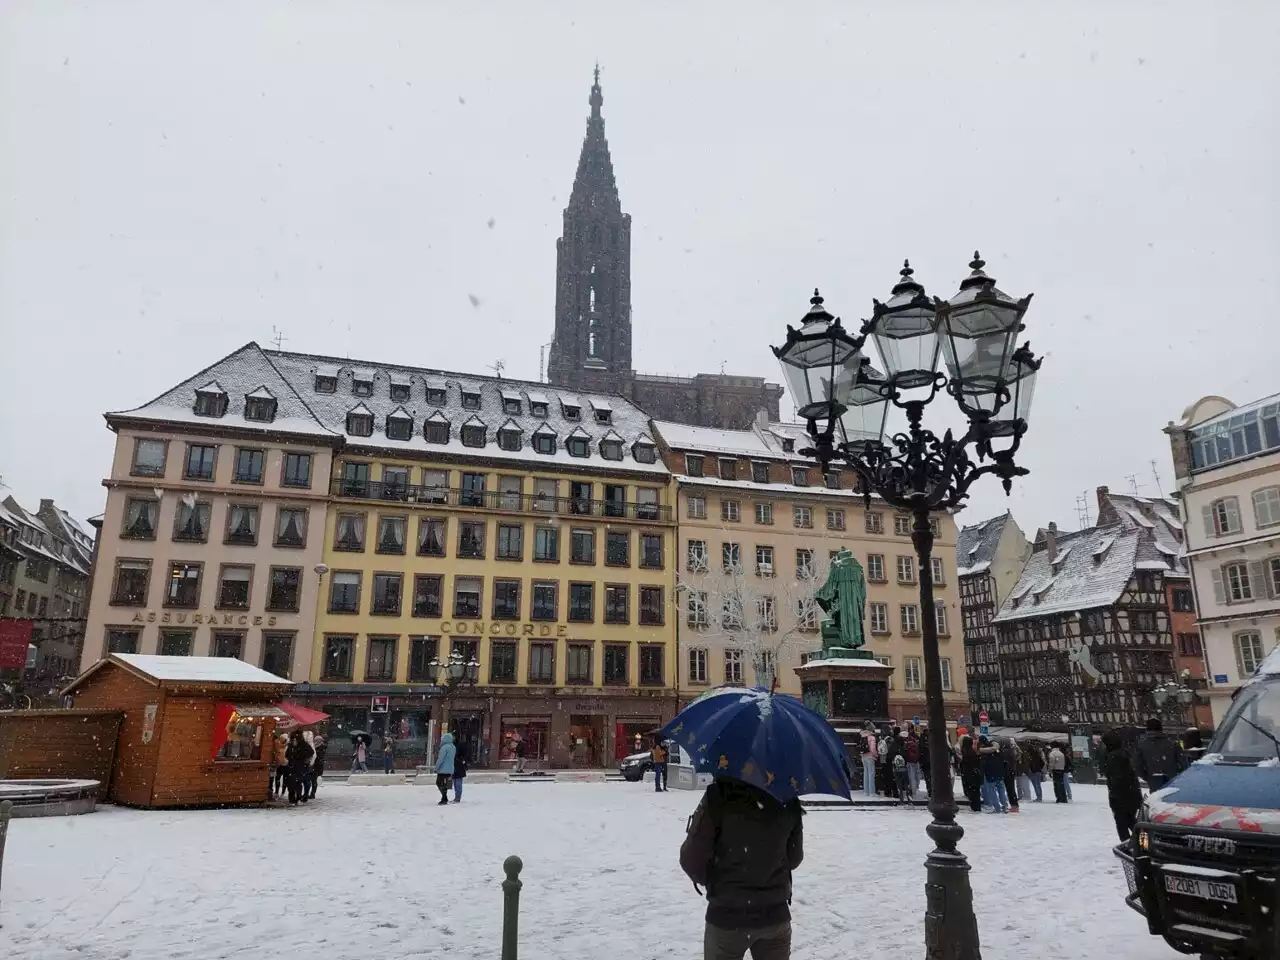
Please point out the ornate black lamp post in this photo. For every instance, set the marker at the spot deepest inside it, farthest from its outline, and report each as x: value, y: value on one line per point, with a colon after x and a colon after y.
x: 845, y: 402
x: 452, y: 675
x: 1173, y: 698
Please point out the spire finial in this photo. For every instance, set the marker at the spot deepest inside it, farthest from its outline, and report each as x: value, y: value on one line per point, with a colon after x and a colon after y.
x: 597, y: 73
x: 977, y: 263
x: 816, y: 299
x: 977, y: 278
x: 906, y: 270
x: 597, y: 100
x: 905, y: 283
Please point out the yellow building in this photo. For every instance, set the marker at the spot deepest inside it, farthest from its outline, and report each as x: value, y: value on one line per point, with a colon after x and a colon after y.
x: 527, y: 530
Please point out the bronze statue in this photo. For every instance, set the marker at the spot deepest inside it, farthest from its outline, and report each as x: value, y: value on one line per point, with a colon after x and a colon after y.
x: 843, y: 598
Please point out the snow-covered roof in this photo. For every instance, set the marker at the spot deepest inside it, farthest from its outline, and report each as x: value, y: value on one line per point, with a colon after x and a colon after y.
x: 740, y: 443
x: 976, y: 545
x: 1090, y: 576
x: 198, y: 669
x: 537, y: 396
x: 601, y: 404
x: 262, y: 393
x: 844, y: 662
x: 976, y: 568
x: 510, y: 394
x: 790, y: 489
x: 1151, y: 565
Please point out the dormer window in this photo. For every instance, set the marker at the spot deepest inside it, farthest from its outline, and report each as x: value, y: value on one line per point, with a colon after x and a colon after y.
x: 571, y: 411
x: 399, y: 425
x: 360, y: 422
x: 470, y: 400
x: 511, y: 403
x: 260, y: 405
x: 611, y: 449
x: 544, y: 441
x: 603, y: 412
x: 474, y: 434
x: 326, y: 384
x: 436, y: 429
x: 436, y: 395
x: 538, y: 409
x: 211, y: 401
x: 644, y: 452
x: 578, y: 444
x: 510, y: 438
x: 362, y: 388
x: 788, y: 445
x: 399, y: 391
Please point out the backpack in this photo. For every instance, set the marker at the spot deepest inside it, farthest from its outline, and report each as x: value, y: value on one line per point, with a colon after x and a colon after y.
x: 899, y: 763
x: 913, y: 751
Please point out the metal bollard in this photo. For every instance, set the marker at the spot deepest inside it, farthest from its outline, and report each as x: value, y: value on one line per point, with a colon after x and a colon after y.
x: 511, y: 906
x: 6, y: 811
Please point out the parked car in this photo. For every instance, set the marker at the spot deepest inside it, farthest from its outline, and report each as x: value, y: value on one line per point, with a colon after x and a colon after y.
x: 634, y: 767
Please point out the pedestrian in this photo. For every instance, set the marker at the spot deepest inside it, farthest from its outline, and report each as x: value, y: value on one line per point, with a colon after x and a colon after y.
x: 1058, y: 770
x: 926, y: 774
x: 1068, y: 765
x: 1023, y: 772
x: 884, y: 744
x: 279, y: 756
x: 298, y: 756
x: 308, y: 775
x: 971, y: 772
x: 1035, y: 769
x: 912, y: 750
x: 869, y: 758
x: 1159, y: 757
x: 1192, y: 746
x: 742, y: 846
x: 317, y: 765
x: 901, y: 779
x: 388, y: 755
x: 1124, y: 792
x: 658, y: 754
x: 360, y: 756
x: 445, y: 768
x: 890, y: 748
x: 519, y: 754
x: 1009, y: 750
x: 995, y: 795
x: 459, y: 771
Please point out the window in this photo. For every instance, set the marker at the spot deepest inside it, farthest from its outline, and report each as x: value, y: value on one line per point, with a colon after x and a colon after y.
x: 604, y: 416
x: 697, y: 611
x: 361, y: 387
x: 799, y: 476
x: 910, y: 619
x: 1274, y: 564
x: 697, y: 672
x: 543, y: 605
x: 764, y: 513
x: 399, y: 427
x: 509, y: 492
x: 228, y: 644
x: 945, y: 664
x: 1183, y: 600
x: 832, y: 479
x: 912, y: 673
x: 545, y: 493
x: 935, y: 527
x: 546, y: 544
x: 581, y: 602
x: 510, y: 541
x: 184, y: 585
x: 542, y: 662
x: 242, y: 524
x: 544, y: 441
x: 1236, y: 577
x: 935, y: 571
x: 436, y: 395
x: 344, y: 592
x: 140, y: 518
x: 651, y: 551
x: 578, y: 447
x: 611, y: 449
x: 1143, y: 621
x: 473, y: 487
x: 291, y: 527
x: 428, y: 595
x: 693, y: 465
x: 471, y: 539
x: 651, y: 606
x: 906, y: 570
x: 1266, y: 506
x: 1146, y: 581
x: 730, y: 556
x: 578, y: 665
x: 582, y: 546
x: 355, y: 479
x: 696, y: 508
x: 176, y: 643
x: 122, y: 640
x: 732, y: 665
x: 651, y: 666
x: 644, y: 452
x: 387, y: 590
x: 474, y: 434
x: 466, y: 597
x: 210, y: 403
x: 149, y: 457
x: 1248, y: 652
x: 766, y: 613
x: 802, y: 517
x: 879, y: 617
x: 326, y: 384
x: 1189, y: 645
x: 835, y: 519
x: 436, y: 430
x: 422, y: 651
x: 468, y: 650
x: 730, y: 511
x: 380, y: 664
x: 399, y: 391
x: 902, y: 526
x: 284, y: 590
x: 874, y: 522
x: 618, y: 548
x: 696, y: 556
x: 940, y: 616
x: 617, y: 603
x: 338, y: 655
x: 1222, y: 517
x: 360, y: 423
x: 233, y: 588
x: 728, y: 468
x: 759, y: 472
x: 502, y: 661
x: 132, y: 579
x: 470, y: 400
x: 764, y: 561
x: 617, y: 670
x: 200, y: 462
x: 506, y: 599
x: 431, y: 534
x: 804, y: 565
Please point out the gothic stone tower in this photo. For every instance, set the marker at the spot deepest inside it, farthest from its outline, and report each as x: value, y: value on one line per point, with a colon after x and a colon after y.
x: 591, y: 348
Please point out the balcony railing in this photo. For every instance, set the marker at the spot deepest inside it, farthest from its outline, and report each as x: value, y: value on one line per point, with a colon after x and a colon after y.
x: 497, y: 500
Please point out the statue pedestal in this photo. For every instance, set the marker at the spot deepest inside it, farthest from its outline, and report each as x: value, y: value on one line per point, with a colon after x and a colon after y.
x: 847, y: 686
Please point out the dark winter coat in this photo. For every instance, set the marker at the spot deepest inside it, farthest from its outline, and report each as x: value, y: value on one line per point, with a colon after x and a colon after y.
x: 321, y: 749
x: 1124, y: 792
x: 1035, y: 759
x: 1158, y: 754
x: 460, y: 763
x: 298, y: 755
x: 994, y: 765
x: 742, y: 845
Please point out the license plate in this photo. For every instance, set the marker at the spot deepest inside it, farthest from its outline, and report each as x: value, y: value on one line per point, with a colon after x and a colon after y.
x: 1214, y: 890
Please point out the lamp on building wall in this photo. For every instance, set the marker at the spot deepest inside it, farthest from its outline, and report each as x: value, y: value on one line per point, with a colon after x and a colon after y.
x: 844, y: 400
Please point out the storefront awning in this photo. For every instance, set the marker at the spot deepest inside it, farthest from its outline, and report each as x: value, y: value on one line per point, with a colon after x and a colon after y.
x: 303, y: 716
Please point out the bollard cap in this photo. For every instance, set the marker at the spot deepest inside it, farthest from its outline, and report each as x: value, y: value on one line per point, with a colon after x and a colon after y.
x: 6, y: 806
x: 512, y: 866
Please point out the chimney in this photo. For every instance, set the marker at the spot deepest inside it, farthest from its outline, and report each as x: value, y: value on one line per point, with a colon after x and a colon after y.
x: 1051, y: 541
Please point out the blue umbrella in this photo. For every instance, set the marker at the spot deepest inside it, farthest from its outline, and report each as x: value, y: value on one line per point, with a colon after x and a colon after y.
x: 769, y: 740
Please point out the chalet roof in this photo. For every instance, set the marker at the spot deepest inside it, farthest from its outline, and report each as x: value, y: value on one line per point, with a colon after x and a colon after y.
x: 199, y: 670
x: 976, y: 545
x: 1092, y: 574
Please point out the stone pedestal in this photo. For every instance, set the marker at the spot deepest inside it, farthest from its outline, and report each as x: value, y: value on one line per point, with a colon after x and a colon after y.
x: 847, y: 686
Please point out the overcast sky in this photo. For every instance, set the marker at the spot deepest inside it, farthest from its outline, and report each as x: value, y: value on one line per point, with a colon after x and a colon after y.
x: 177, y: 179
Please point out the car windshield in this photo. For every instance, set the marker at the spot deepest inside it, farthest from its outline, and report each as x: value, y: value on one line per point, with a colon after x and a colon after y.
x: 1252, y: 725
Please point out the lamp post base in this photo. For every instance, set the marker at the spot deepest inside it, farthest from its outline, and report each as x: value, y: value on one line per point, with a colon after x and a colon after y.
x: 950, y: 927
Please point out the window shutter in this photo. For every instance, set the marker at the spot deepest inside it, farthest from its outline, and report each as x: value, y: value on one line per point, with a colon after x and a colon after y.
x: 1239, y: 645
x: 1232, y: 506
x: 1259, y: 581
x: 1207, y: 513
x: 1219, y: 590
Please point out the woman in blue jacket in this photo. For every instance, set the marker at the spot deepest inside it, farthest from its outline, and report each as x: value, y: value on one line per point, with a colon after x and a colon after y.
x: 444, y: 768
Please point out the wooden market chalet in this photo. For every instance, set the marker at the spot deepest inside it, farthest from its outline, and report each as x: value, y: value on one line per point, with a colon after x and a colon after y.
x: 1086, y: 631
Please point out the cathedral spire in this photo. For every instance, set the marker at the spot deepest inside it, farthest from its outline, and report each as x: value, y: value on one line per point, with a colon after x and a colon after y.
x: 594, y: 184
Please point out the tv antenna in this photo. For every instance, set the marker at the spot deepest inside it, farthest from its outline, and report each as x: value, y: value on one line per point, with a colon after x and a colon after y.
x: 278, y: 337
x: 1156, y: 473
x: 1082, y: 511
x: 1133, y: 483
x: 497, y: 367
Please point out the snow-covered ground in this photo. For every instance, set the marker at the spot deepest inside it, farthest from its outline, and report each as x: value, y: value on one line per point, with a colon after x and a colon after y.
x: 382, y: 872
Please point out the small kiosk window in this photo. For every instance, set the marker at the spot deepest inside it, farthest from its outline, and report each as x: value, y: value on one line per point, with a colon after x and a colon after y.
x: 238, y: 728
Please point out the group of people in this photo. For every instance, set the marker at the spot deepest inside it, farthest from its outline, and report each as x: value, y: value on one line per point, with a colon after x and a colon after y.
x: 998, y: 775
x: 451, y: 769
x: 297, y: 764
x: 1155, y: 757
x: 894, y: 762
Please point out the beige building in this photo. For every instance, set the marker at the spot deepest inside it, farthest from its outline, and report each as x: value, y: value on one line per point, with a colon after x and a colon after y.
x: 757, y: 526
x: 214, y: 523
x: 1227, y: 463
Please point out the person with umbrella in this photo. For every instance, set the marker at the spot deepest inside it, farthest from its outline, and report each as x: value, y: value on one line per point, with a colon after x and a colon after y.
x: 746, y: 837
x: 360, y: 755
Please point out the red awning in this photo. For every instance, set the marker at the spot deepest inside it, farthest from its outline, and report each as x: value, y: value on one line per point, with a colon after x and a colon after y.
x: 303, y: 716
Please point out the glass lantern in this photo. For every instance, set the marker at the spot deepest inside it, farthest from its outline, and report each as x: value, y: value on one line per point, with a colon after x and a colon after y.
x: 1013, y: 402
x: 819, y: 363
x: 906, y: 332
x: 861, y: 425
x: 980, y: 326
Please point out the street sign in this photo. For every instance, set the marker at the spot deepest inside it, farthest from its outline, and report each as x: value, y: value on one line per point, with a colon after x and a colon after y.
x: 380, y: 705
x: 964, y: 720
x: 983, y: 718
x: 1220, y: 678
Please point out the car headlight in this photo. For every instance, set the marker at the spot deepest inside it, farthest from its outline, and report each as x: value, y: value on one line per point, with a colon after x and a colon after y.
x: 1144, y: 840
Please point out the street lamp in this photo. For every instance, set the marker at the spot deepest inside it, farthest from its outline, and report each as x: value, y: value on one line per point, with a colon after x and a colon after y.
x: 450, y: 676
x: 844, y: 400
x: 1173, y: 698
